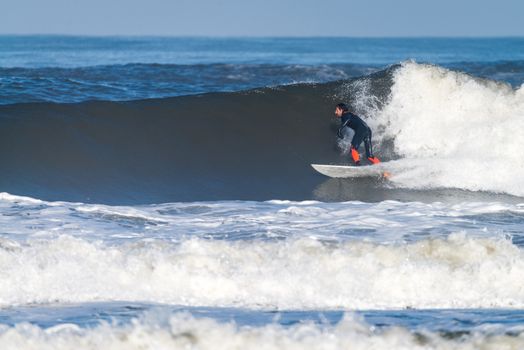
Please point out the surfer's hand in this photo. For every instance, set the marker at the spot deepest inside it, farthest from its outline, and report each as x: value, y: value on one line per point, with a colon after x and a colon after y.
x: 340, y: 135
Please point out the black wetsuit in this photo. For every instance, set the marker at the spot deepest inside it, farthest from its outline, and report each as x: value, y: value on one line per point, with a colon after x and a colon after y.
x: 362, y: 132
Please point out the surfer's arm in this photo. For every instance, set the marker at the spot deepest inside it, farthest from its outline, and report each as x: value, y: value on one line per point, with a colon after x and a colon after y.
x: 339, y: 132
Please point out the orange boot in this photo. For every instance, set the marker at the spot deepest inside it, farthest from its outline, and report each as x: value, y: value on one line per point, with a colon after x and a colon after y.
x: 355, y: 155
x: 374, y: 160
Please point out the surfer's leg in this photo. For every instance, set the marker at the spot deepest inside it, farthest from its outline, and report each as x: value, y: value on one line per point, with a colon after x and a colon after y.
x: 369, y: 149
x: 355, y: 143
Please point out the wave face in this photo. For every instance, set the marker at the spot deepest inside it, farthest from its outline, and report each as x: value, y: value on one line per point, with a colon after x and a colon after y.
x: 251, y: 145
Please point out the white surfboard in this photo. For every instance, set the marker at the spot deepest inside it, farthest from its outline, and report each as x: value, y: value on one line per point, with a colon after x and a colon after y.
x: 345, y: 171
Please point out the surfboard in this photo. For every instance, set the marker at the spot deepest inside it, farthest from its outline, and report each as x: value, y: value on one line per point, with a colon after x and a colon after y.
x: 348, y: 171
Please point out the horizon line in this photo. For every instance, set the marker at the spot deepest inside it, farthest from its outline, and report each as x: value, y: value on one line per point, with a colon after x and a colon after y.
x: 199, y: 36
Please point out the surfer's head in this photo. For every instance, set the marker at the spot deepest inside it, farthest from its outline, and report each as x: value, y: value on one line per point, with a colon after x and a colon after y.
x: 340, y: 109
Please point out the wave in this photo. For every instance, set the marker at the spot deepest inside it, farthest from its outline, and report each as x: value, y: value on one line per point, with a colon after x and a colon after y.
x: 445, y: 129
x: 297, y: 273
x: 248, y: 145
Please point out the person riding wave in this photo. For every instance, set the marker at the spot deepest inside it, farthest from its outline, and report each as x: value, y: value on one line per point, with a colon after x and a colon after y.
x: 362, y: 133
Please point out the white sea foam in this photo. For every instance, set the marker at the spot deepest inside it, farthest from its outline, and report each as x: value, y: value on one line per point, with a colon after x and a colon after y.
x: 182, y: 331
x: 457, y: 272
x: 453, y: 130
x: 278, y: 254
x: 383, y: 222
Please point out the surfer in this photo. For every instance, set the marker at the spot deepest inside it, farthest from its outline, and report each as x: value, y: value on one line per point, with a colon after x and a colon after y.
x: 362, y: 133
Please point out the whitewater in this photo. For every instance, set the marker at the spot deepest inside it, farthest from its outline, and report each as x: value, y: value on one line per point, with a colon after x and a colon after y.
x: 169, y: 203
x: 268, y: 255
x: 465, y: 133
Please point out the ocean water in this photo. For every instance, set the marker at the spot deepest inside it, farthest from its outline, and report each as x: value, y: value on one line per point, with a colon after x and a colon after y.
x: 156, y: 193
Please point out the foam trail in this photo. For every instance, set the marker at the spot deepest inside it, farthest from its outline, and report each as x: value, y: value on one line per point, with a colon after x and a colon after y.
x: 455, y: 131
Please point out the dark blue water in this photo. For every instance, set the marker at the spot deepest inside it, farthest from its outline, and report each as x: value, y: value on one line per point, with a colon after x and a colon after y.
x: 72, y: 69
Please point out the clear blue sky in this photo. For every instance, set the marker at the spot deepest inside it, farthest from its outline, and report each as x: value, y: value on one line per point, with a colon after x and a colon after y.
x: 264, y: 17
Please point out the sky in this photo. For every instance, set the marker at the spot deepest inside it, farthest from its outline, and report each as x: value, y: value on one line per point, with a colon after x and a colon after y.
x: 366, y: 18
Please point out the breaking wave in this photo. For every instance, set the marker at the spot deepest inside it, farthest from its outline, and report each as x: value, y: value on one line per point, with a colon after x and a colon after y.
x: 443, y: 129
